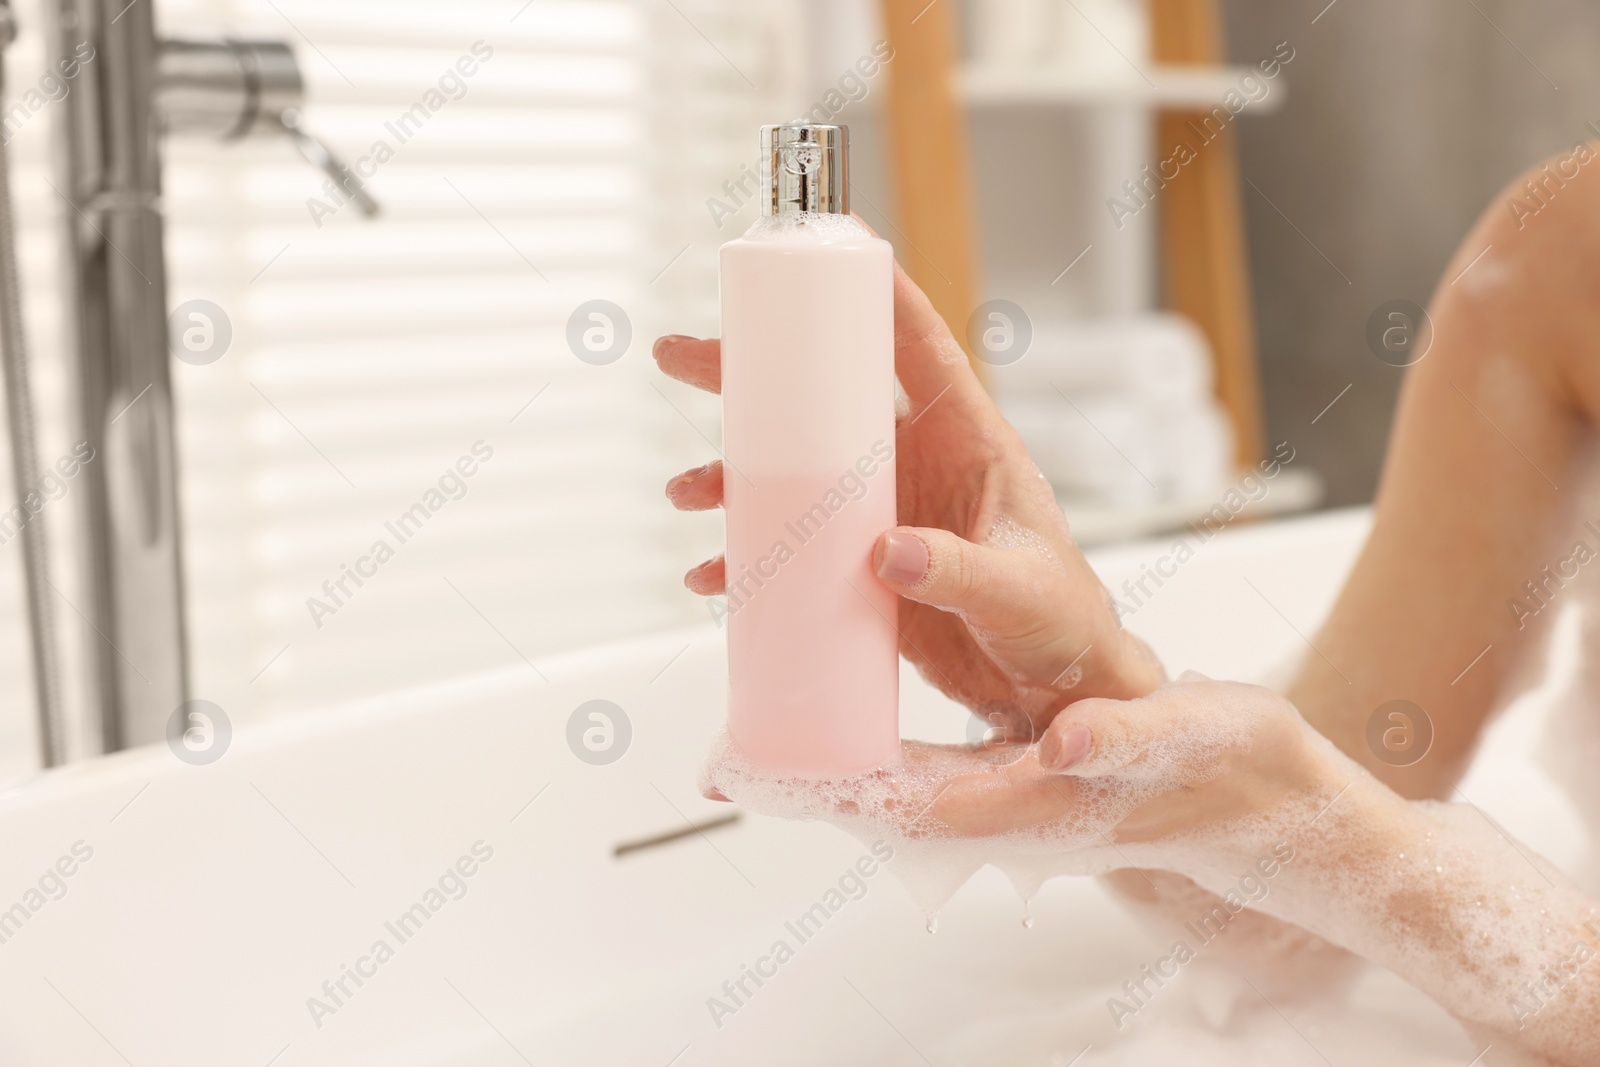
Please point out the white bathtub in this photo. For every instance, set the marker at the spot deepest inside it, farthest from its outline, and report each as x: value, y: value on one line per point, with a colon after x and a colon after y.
x: 219, y: 898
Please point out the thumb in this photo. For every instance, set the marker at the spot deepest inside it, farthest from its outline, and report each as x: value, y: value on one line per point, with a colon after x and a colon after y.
x: 937, y: 568
x: 1097, y: 737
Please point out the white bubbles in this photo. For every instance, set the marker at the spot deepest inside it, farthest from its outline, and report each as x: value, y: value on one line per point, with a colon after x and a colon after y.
x: 1008, y: 535
x: 900, y: 804
x: 1457, y: 908
x: 816, y: 226
x: 1435, y: 892
x: 1470, y: 910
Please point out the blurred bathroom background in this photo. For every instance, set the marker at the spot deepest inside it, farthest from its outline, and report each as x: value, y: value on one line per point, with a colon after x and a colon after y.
x: 601, y: 151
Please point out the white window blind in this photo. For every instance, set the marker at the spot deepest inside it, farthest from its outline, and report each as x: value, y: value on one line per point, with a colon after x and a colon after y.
x: 400, y: 399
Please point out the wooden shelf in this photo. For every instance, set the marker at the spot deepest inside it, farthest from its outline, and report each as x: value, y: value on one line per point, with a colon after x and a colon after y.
x: 1169, y: 87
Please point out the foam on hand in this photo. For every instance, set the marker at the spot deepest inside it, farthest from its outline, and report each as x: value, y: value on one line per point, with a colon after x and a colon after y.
x: 1436, y: 892
x: 900, y: 804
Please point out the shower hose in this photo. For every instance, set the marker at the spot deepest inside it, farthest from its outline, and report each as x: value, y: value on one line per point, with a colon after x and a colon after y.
x: 24, y: 454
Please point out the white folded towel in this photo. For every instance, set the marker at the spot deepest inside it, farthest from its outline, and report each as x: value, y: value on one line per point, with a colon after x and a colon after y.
x: 1104, y: 446
x: 1196, y: 447
x: 1125, y: 449
x: 1159, y: 357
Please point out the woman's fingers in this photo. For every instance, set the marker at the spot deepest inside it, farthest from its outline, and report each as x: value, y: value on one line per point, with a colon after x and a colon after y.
x: 699, y: 363
x: 697, y: 490
x: 1179, y: 730
x: 996, y: 591
x: 987, y: 804
x: 1099, y: 736
x: 1089, y: 739
x: 709, y: 578
x: 928, y: 359
x: 696, y: 362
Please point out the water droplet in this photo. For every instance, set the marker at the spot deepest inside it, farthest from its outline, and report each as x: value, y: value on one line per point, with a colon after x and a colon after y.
x: 933, y: 926
x: 1027, y: 921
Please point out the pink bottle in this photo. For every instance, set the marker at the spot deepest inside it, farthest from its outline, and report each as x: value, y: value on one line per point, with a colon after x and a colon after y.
x: 808, y: 425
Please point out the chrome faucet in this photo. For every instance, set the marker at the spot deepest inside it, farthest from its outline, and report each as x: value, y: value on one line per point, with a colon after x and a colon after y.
x: 108, y: 169
x: 231, y: 89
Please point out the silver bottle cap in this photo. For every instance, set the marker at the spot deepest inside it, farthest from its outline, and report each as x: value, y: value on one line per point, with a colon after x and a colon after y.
x: 806, y: 168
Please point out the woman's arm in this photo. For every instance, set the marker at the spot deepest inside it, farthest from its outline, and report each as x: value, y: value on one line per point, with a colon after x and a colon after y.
x: 1217, y: 781
x: 1435, y: 892
x: 1439, y: 895
x: 1479, y: 469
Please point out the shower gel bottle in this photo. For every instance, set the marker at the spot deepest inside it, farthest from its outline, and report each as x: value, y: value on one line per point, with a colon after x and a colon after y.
x: 809, y: 475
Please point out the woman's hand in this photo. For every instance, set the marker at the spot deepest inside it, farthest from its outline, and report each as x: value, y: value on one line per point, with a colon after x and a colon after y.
x: 1226, y: 784
x: 1204, y: 779
x: 1000, y: 610
x: 1190, y: 763
x: 1193, y: 756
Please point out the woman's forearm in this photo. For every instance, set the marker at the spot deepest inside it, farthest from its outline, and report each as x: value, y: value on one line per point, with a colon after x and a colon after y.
x: 1441, y: 896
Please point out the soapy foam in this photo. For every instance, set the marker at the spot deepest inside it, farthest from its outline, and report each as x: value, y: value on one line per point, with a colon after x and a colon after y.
x: 1008, y: 535
x: 823, y: 226
x: 1390, y: 1026
x: 896, y: 804
x: 1479, y: 916
x: 1478, y: 921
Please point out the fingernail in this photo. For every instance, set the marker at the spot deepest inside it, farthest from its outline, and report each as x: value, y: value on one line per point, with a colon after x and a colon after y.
x: 904, y: 560
x: 679, y: 482
x: 663, y: 343
x: 695, y: 580
x: 713, y: 793
x: 1066, y: 753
